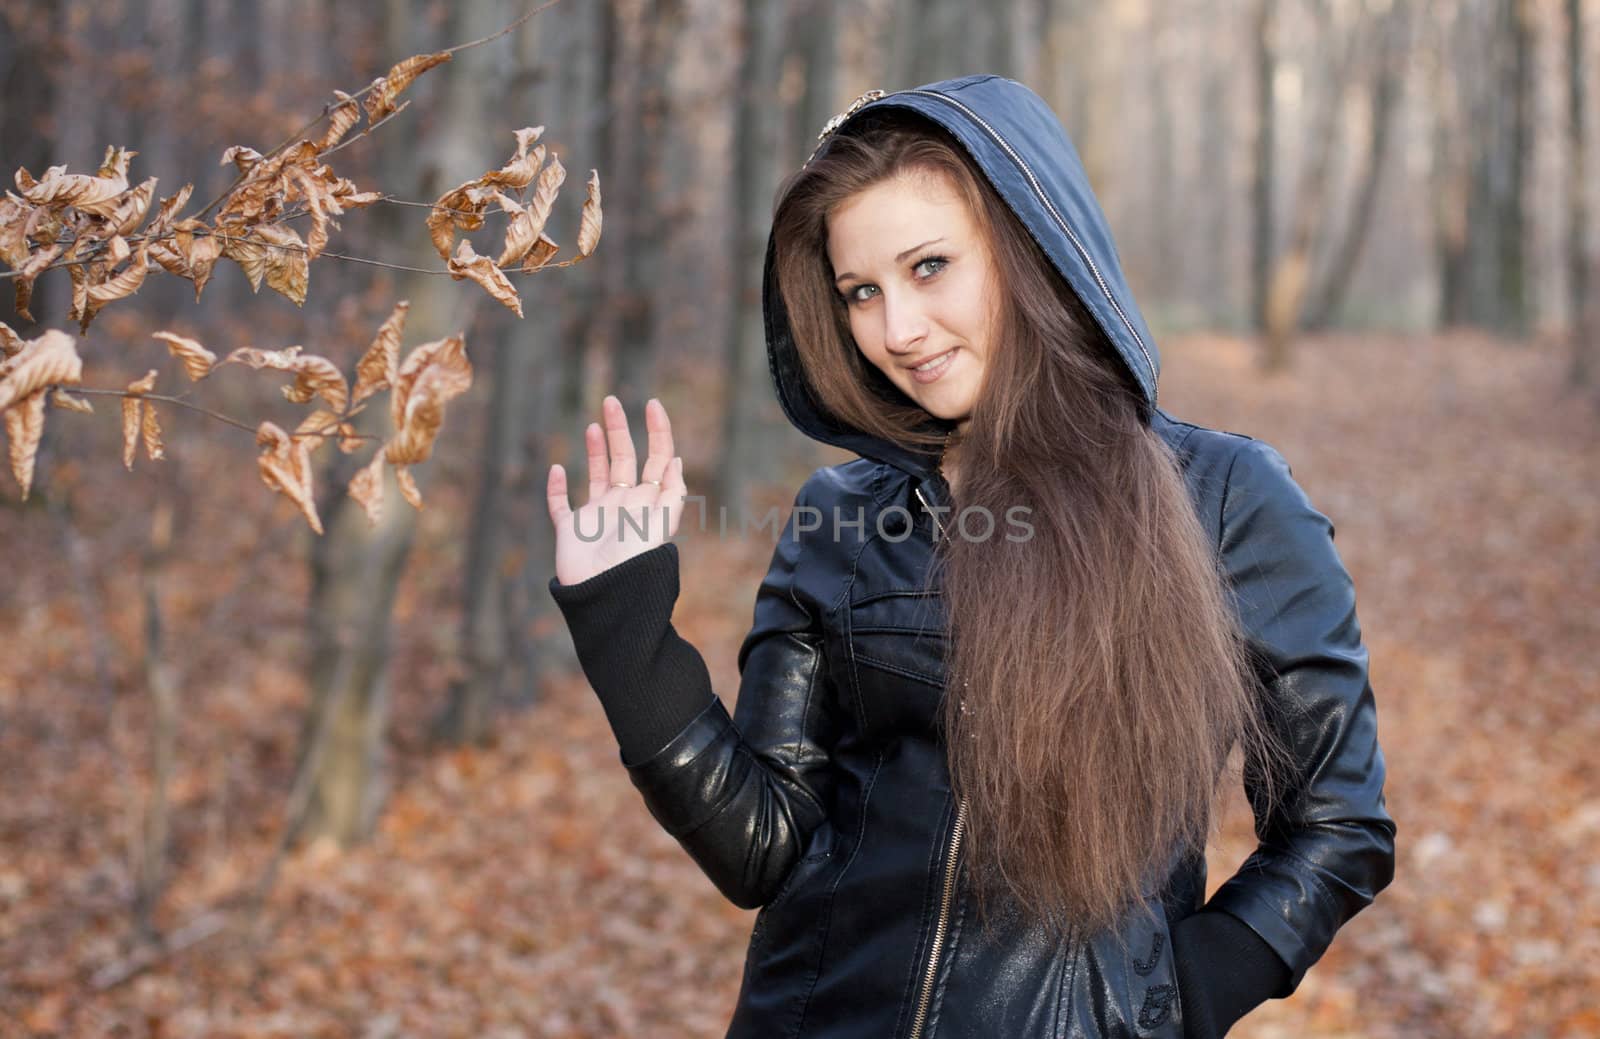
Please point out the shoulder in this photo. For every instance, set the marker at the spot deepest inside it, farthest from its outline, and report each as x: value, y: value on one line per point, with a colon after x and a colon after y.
x: 1229, y: 475
x: 859, y: 481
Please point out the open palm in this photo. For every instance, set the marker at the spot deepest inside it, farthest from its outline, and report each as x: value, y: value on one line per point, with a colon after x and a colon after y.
x: 652, y: 502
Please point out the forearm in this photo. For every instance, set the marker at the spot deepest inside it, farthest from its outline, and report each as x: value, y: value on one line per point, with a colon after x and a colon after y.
x: 742, y: 814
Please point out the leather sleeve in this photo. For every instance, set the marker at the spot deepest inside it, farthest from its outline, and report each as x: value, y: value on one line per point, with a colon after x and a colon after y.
x: 743, y: 794
x: 1328, y: 847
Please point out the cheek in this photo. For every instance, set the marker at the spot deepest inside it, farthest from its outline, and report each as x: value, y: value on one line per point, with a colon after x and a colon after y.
x: 866, y: 342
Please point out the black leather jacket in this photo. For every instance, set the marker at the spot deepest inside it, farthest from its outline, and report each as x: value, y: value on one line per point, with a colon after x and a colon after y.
x: 825, y: 798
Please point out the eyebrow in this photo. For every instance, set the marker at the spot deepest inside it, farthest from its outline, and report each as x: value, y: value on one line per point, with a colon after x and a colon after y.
x: 901, y: 258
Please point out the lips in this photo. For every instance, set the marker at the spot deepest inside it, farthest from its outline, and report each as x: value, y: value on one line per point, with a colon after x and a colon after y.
x: 941, y: 362
x: 933, y: 357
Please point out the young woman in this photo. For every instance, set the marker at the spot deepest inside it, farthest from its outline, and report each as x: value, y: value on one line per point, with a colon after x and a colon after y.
x: 999, y: 661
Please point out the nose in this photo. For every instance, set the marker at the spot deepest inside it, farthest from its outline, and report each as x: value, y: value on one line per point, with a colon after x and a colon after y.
x: 904, y: 324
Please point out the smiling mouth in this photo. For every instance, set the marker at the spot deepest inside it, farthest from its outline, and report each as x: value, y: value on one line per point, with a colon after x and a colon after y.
x: 933, y: 362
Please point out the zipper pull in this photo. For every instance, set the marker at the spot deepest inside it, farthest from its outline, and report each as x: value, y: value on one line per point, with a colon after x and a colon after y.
x: 934, y: 515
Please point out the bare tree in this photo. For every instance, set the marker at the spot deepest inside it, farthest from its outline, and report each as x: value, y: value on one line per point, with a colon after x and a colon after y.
x: 1264, y: 165
x: 1389, y: 52
x: 355, y: 569
x: 1583, y: 319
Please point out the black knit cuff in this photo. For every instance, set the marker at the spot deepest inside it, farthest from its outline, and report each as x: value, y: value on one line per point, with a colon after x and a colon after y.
x: 1225, y: 970
x: 650, y: 682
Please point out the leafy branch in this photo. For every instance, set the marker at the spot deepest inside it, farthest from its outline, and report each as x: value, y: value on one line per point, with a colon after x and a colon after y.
x: 110, y: 236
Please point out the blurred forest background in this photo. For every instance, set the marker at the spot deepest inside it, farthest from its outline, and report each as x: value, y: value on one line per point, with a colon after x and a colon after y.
x: 1363, y: 230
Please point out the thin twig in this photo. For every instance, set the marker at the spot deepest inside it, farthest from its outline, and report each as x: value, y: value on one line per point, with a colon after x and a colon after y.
x: 180, y: 402
x: 328, y: 108
x: 192, y: 933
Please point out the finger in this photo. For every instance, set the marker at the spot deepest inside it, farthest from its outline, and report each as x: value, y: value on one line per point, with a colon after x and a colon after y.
x: 624, y: 467
x: 594, y: 445
x: 555, y: 495
x: 673, y: 495
x: 659, y: 428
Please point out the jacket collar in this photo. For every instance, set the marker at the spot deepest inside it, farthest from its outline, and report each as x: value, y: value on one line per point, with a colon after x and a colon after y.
x: 1025, y: 154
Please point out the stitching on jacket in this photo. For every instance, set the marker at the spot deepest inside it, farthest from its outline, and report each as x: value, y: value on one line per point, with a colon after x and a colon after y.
x: 895, y: 669
x: 827, y: 910
x: 1222, y: 510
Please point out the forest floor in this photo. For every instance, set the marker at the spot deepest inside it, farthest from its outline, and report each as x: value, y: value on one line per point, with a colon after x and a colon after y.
x: 523, y: 890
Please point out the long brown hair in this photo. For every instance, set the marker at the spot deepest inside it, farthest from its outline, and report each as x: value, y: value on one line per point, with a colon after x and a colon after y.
x: 1087, y: 723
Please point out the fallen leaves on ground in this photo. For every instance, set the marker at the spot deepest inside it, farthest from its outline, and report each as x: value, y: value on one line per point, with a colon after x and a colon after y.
x: 523, y: 889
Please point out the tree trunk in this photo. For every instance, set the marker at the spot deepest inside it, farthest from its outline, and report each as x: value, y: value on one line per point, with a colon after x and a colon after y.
x: 642, y: 134
x: 1483, y: 258
x: 1291, y: 271
x: 750, y: 417
x: 1583, y: 314
x: 355, y: 569
x: 533, y: 391
x: 1262, y: 174
x: 1383, y: 100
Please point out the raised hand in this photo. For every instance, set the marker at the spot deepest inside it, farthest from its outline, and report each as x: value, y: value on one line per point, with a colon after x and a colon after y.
x: 652, y: 501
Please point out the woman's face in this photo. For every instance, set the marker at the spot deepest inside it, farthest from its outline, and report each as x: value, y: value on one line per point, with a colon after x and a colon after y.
x: 921, y: 287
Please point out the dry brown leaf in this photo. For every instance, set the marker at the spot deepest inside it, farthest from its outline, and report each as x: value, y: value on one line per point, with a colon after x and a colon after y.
x: 78, y: 274
x: 115, y: 162
x: 197, y: 360
x: 121, y: 286
x: 314, y: 376
x: 14, y: 216
x: 320, y: 203
x: 459, y: 209
x: 259, y: 196
x: 378, y: 367
x: 95, y: 194
x: 243, y: 156
x: 468, y: 264
x: 131, y: 208
x: 287, y: 271
x: 321, y: 426
x: 24, y: 427
x: 35, y: 266
x: 543, y: 251
x: 199, y: 254
x: 165, y: 255
x: 10, y: 342
x: 150, y: 430
x: 249, y: 253
x: 48, y: 360
x: 433, y: 374
x: 527, y: 224
x: 341, y: 118
x: 116, y: 250
x: 285, y: 465
x: 408, y: 486
x: 521, y: 168
x: 589, y: 222
x: 161, y: 223
x: 71, y: 402
x: 133, y: 415
x: 381, y: 96
x: 366, y: 488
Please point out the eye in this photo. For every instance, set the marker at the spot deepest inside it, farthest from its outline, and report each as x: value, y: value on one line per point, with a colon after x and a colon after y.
x: 858, y: 293
x: 929, y: 266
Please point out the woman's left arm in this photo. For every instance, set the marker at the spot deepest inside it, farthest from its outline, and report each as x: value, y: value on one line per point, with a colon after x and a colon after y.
x: 1327, y: 845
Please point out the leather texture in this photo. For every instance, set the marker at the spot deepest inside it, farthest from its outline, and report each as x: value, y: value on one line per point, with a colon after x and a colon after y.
x: 825, y: 800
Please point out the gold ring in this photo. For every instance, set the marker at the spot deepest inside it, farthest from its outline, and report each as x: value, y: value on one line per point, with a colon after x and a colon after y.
x: 622, y: 485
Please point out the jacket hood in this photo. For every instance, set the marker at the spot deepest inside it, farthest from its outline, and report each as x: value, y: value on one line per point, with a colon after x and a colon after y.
x: 1025, y: 154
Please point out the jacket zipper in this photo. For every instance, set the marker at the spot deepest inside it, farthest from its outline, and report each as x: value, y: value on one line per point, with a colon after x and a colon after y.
x: 942, y: 928
x: 1060, y: 222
